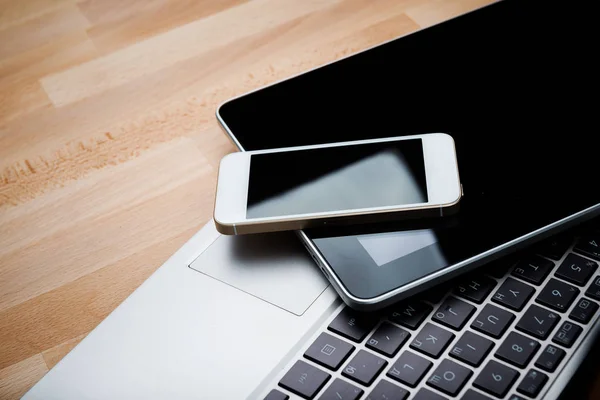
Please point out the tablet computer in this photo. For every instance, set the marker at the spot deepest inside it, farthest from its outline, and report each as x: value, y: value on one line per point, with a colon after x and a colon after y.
x: 514, y: 90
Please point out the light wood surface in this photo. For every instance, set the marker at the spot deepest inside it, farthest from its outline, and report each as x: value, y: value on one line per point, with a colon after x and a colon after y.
x: 109, y: 146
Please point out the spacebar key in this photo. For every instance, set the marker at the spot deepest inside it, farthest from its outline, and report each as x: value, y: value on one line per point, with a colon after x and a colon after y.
x: 352, y: 324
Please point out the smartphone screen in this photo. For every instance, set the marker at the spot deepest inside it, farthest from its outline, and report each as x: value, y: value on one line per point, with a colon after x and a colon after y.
x: 384, y: 174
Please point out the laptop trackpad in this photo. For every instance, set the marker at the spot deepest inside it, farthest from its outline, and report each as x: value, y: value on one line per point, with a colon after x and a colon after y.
x: 273, y: 267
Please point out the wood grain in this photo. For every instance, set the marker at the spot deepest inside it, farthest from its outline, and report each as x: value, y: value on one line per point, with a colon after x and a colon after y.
x: 15, y: 379
x: 109, y: 145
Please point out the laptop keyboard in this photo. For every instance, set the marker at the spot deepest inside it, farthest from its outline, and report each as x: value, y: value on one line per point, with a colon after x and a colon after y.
x: 503, y: 332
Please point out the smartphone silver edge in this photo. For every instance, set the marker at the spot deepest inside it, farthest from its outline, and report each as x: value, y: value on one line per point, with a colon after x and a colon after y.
x: 440, y: 168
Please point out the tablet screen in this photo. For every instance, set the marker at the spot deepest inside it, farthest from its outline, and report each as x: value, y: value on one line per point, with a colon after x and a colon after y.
x: 506, y: 81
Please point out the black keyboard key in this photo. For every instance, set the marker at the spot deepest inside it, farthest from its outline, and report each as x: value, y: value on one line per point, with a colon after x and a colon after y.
x: 409, y: 369
x: 276, y: 395
x: 352, y: 324
x: 426, y: 394
x: 550, y: 358
x: 432, y: 340
x: 555, y: 247
x: 387, y: 339
x: 517, y: 349
x: 453, y: 313
x: 583, y: 311
x: 386, y: 390
x: 493, y: 321
x: 567, y: 334
x: 473, y: 395
x: 496, y: 379
x: 594, y: 289
x: 475, y: 288
x: 341, y: 390
x: 329, y: 351
x: 533, y: 383
x: 538, y: 322
x: 449, y: 377
x: 364, y: 367
x: 589, y: 246
x: 410, y: 314
x: 516, y: 397
x: 304, y: 380
x: 471, y: 348
x: 557, y: 295
x: 513, y: 294
x: 533, y: 269
x: 576, y: 269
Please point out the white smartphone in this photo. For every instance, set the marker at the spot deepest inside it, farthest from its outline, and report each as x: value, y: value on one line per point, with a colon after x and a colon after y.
x: 338, y: 183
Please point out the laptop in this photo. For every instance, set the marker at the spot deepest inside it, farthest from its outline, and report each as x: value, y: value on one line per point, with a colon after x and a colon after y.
x: 221, y: 320
x: 253, y: 317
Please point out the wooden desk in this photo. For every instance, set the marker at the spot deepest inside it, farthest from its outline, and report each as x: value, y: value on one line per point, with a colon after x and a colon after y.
x: 109, y: 145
